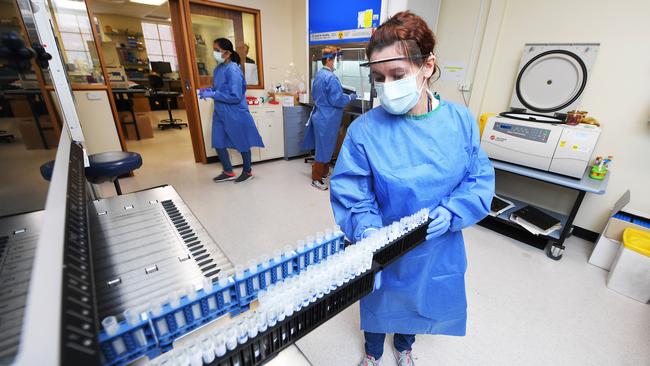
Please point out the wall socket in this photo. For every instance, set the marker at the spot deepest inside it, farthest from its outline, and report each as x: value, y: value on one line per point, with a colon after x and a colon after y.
x: 465, y: 87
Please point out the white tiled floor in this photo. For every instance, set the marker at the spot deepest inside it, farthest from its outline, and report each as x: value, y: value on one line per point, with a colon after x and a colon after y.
x: 523, y: 308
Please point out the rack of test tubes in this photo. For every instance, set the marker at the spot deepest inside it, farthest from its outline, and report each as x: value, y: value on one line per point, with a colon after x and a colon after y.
x: 152, y: 331
x: 290, y: 309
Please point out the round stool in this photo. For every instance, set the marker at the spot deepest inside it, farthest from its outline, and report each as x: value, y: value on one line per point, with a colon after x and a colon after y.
x: 47, y: 169
x: 109, y: 166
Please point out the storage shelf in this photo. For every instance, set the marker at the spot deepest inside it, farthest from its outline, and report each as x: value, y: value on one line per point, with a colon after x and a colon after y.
x: 505, y: 216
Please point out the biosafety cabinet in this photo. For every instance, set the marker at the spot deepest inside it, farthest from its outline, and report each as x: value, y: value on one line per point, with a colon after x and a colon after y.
x: 550, y: 82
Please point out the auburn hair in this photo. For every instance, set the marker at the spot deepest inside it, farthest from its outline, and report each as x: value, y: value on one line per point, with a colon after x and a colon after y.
x: 404, y: 27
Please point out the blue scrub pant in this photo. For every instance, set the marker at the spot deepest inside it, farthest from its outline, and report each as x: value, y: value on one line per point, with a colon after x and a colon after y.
x: 225, y: 160
x: 375, y: 343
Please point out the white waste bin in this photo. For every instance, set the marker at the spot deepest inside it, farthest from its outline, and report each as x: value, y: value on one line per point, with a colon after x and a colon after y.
x: 630, y: 273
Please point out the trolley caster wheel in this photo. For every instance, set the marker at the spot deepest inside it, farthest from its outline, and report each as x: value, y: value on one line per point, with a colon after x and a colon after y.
x: 553, y: 251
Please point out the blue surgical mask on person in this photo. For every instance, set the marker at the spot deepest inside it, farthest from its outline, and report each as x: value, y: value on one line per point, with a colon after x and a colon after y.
x: 400, y: 96
x: 218, y: 56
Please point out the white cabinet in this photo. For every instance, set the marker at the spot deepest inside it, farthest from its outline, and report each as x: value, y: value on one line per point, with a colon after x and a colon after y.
x: 270, y: 124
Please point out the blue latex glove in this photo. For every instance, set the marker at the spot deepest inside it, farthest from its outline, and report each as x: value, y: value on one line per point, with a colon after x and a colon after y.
x: 354, y: 96
x: 441, y: 222
x: 368, y: 232
x: 206, y: 93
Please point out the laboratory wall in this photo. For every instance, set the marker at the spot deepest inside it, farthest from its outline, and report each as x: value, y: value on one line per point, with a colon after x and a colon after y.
x: 96, y: 118
x: 618, y: 92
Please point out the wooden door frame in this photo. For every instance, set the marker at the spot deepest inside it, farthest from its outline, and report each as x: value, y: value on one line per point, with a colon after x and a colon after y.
x: 179, y: 10
x: 189, y: 73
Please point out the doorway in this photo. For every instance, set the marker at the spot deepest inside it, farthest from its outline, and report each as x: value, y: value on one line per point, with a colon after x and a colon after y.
x: 137, y: 43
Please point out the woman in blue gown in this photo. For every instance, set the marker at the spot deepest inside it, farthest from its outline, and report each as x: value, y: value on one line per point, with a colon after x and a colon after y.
x: 233, y: 126
x: 414, y: 151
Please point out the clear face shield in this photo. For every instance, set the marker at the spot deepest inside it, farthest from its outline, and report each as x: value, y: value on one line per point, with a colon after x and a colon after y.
x: 399, y: 73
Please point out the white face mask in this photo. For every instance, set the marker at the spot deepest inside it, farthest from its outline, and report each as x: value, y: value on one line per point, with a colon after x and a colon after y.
x: 399, y: 96
x: 218, y: 56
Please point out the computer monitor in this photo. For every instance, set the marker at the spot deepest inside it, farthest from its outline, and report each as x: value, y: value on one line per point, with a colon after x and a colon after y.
x: 161, y: 68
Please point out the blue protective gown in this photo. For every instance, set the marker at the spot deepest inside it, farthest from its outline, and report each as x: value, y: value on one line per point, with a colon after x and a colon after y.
x: 392, y: 166
x: 325, y: 120
x: 232, y: 124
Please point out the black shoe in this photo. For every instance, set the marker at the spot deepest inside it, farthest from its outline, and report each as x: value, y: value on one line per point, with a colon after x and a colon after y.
x: 244, y: 176
x: 224, y: 177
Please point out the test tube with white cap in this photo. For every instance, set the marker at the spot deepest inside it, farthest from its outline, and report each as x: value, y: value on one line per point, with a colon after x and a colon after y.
x: 277, y: 262
x: 242, y: 332
x: 161, y: 324
x: 264, y: 261
x: 111, y: 327
x: 133, y: 318
x: 288, y: 253
x: 179, y: 315
x: 251, y: 323
x: 182, y: 358
x: 260, y: 318
x: 239, y: 276
x: 191, y: 296
x: 309, y: 256
x: 252, y: 268
x: 208, y: 286
x: 207, y: 347
x: 231, y: 337
x: 300, y: 249
x: 195, y: 354
x: 223, y: 283
x: 219, y: 340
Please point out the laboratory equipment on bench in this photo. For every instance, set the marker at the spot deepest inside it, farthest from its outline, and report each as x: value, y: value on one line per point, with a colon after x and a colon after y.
x: 550, y: 83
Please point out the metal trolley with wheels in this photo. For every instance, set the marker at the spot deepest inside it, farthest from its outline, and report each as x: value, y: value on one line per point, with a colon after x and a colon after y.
x: 552, y: 244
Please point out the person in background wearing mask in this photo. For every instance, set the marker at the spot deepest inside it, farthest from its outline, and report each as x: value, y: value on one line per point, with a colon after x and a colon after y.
x: 325, y: 120
x: 232, y: 123
x: 414, y: 151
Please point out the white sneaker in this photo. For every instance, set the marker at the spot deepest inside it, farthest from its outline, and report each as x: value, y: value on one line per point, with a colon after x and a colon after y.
x: 370, y: 361
x: 319, y: 184
x: 404, y: 358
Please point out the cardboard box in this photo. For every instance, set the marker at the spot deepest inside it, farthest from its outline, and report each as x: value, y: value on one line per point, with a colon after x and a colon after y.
x: 610, y: 239
x: 30, y: 136
x: 20, y: 106
x: 286, y: 99
x: 141, y: 103
x: 143, y: 122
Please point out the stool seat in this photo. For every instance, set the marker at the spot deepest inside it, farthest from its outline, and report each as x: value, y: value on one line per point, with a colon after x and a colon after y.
x: 107, y: 166
x: 47, y: 169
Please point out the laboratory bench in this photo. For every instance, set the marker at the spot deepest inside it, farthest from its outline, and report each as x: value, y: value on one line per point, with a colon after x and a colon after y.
x: 552, y: 244
x: 124, y: 102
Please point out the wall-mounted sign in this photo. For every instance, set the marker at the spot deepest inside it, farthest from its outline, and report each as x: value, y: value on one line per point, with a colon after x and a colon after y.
x: 342, y: 21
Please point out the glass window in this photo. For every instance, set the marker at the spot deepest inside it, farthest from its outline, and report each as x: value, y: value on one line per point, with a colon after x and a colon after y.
x: 72, y: 27
x: 240, y: 27
x: 160, y: 43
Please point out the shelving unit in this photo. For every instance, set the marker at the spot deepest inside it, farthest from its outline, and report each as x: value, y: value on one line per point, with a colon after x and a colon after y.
x: 552, y: 244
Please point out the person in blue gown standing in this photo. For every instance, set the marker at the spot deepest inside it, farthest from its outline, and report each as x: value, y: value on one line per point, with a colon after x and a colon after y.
x: 414, y: 151
x: 233, y: 126
x: 325, y: 121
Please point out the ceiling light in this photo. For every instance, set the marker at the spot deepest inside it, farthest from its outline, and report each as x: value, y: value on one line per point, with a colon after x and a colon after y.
x: 149, y: 2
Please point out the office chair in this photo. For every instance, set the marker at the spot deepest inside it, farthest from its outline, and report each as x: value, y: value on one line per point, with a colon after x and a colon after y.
x: 156, y: 83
